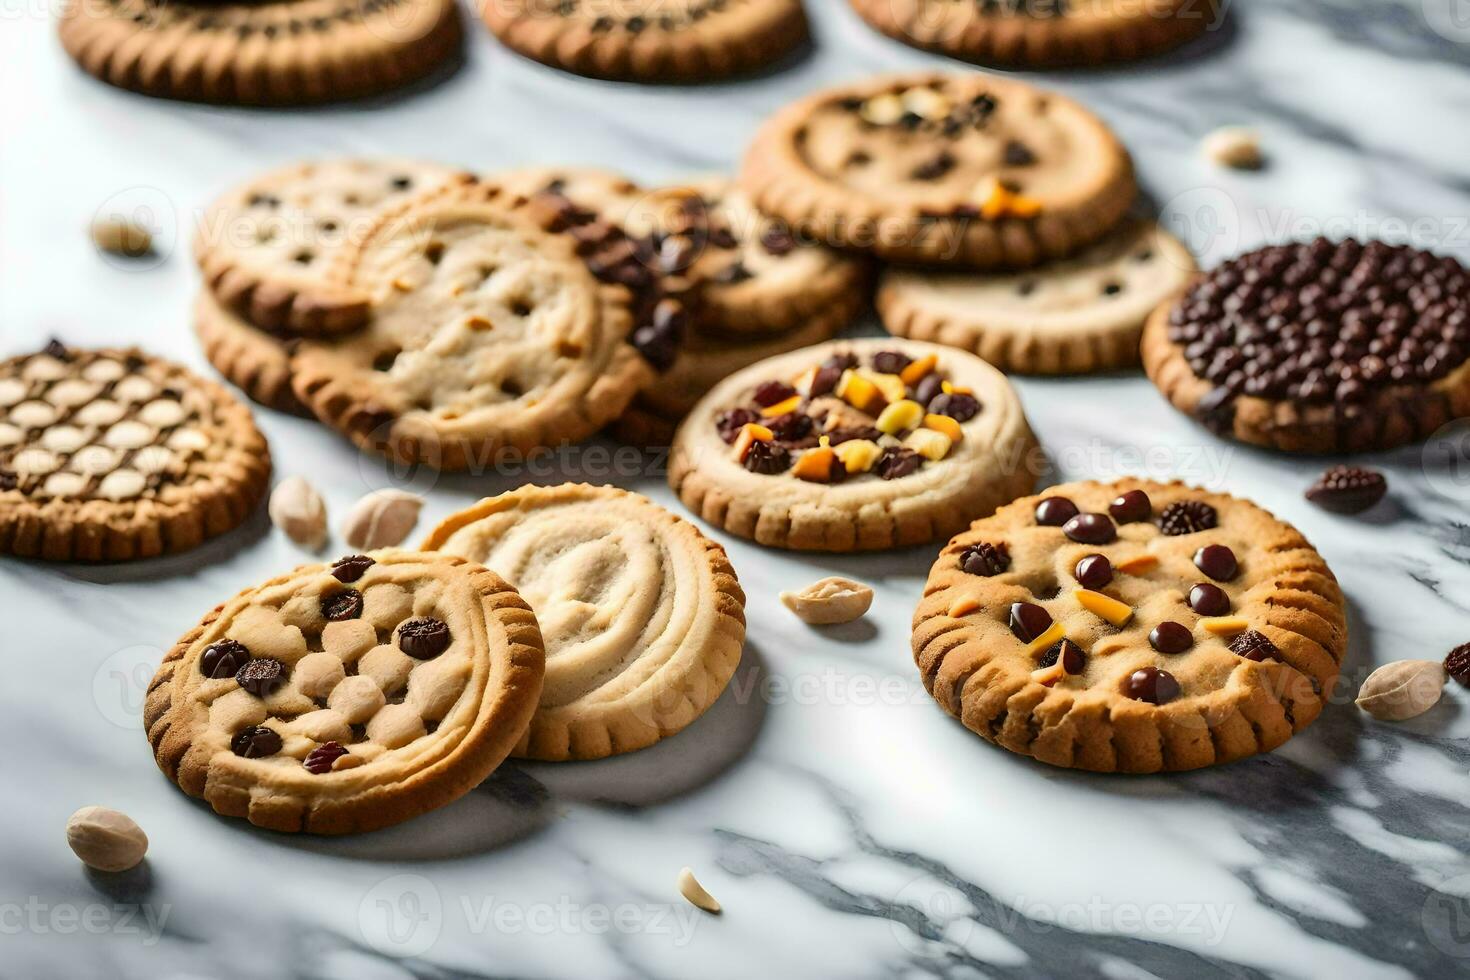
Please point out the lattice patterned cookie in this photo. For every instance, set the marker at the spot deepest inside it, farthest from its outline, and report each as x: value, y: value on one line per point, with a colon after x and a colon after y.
x: 115, y: 455
x: 1042, y: 33
x: 267, y: 247
x: 855, y: 446
x: 967, y: 170
x: 345, y: 698
x: 264, y: 52
x: 1131, y: 627
x: 642, y: 615
x: 668, y: 41
x: 1076, y: 315
x: 488, y: 332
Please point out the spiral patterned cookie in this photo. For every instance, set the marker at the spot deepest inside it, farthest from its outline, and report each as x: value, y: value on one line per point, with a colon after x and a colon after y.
x: 345, y: 698
x: 1131, y: 627
x: 115, y: 455
x: 642, y: 615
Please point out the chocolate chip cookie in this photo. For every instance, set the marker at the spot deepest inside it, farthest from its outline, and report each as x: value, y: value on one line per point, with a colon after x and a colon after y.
x: 670, y: 41
x: 266, y: 248
x: 1131, y: 627
x: 854, y: 446
x: 488, y: 333
x: 1042, y: 33
x: 1319, y: 347
x: 345, y: 698
x: 642, y: 615
x: 113, y: 455
x: 1071, y: 316
x: 267, y: 53
x: 970, y: 170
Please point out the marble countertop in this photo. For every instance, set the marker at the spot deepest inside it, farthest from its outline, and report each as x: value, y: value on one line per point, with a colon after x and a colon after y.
x: 849, y: 827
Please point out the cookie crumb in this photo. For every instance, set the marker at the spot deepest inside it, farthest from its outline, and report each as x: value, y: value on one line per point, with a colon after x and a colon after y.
x: 695, y: 894
x: 1236, y: 147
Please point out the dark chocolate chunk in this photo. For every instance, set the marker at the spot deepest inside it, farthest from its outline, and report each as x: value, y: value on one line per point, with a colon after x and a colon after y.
x: 770, y: 393
x: 767, y: 458
x: 255, y: 742
x: 262, y: 677
x: 1254, y: 645
x: 1217, y: 561
x: 1171, y: 637
x: 1152, y: 685
x: 350, y: 568
x: 1068, y: 654
x: 55, y: 348
x: 1457, y: 663
x: 423, y: 639
x: 1028, y: 621
x: 898, y: 462
x: 346, y: 604
x: 891, y: 361
x: 1018, y: 154
x: 985, y: 559
x: 730, y: 422
x: 957, y: 405
x: 1348, y: 489
x: 223, y: 659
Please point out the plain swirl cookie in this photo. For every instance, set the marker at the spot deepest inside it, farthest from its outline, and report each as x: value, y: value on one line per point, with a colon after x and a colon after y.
x: 642, y: 615
x: 668, y: 41
x: 969, y: 170
x: 1041, y: 33
x: 254, y: 360
x: 113, y: 455
x: 487, y: 333
x: 346, y: 698
x: 854, y: 446
x: 1076, y: 315
x: 1131, y: 627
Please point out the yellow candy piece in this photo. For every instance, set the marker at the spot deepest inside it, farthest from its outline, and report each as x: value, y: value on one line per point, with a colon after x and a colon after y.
x: 926, y: 102
x: 999, y: 201
x: 1225, y: 625
x: 964, y: 607
x: 929, y: 443
x: 860, y: 392
x: 900, y: 415
x: 917, y: 370
x: 1138, y: 565
x: 1110, y: 609
x: 859, y: 455
x: 882, y: 110
x: 954, y: 389
x: 782, y: 407
x: 1053, y: 635
x: 891, y: 385
x: 945, y: 424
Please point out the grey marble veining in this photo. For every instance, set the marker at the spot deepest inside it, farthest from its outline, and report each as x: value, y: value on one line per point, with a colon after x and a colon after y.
x: 850, y: 828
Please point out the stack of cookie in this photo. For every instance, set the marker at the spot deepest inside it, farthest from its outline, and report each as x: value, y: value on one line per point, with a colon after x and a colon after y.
x: 442, y: 319
x: 1004, y: 209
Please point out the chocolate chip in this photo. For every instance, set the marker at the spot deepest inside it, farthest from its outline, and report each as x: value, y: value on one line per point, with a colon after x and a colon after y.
x: 255, y: 742
x: 1091, y: 529
x: 1055, y: 511
x: 842, y: 361
x: 770, y: 393
x: 985, y: 559
x: 791, y: 427
x: 1457, y: 664
x: 891, y: 361
x: 1131, y: 507
x: 8, y: 481
x: 1170, y: 637
x: 767, y: 458
x: 1254, y: 645
x: 778, y: 240
x: 1018, y: 154
x: 729, y: 423
x: 935, y: 167
x: 1209, y: 600
x: 898, y: 462
x: 262, y: 677
x: 1348, y: 489
x: 1216, y: 410
x: 320, y: 759
x: 55, y: 348
x: 735, y: 272
x: 930, y: 387
x: 222, y: 659
x: 350, y: 568
x: 338, y: 606
x: 423, y: 639
x: 825, y: 380
x: 1152, y: 685
x: 1217, y: 561
x: 1093, y: 572
x: 957, y: 405
x: 849, y: 433
x: 1187, y: 517
x: 1028, y: 621
x: 1069, y: 654
x: 657, y: 347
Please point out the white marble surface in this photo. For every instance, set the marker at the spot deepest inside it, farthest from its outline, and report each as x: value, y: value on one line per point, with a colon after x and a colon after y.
x: 850, y: 828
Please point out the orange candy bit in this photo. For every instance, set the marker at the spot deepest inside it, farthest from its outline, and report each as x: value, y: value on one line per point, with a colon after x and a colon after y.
x: 1138, y: 565
x: 916, y: 371
x: 815, y: 465
x: 945, y: 424
x: 860, y: 393
x: 751, y: 433
x: 782, y: 407
x: 999, y: 201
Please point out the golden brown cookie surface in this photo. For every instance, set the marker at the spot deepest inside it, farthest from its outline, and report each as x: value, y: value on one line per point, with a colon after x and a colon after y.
x: 1131, y: 627
x: 116, y: 455
x: 345, y: 698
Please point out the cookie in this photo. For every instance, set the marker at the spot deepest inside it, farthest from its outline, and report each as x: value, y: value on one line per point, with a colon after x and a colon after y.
x: 854, y: 446
x: 113, y: 455
x: 671, y: 41
x: 969, y: 170
x: 253, y: 360
x: 1131, y: 627
x: 1041, y: 33
x: 704, y: 360
x: 1319, y: 347
x: 642, y: 615
x: 267, y: 53
x: 1071, y: 316
x: 488, y: 333
x: 346, y: 698
x: 266, y: 248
